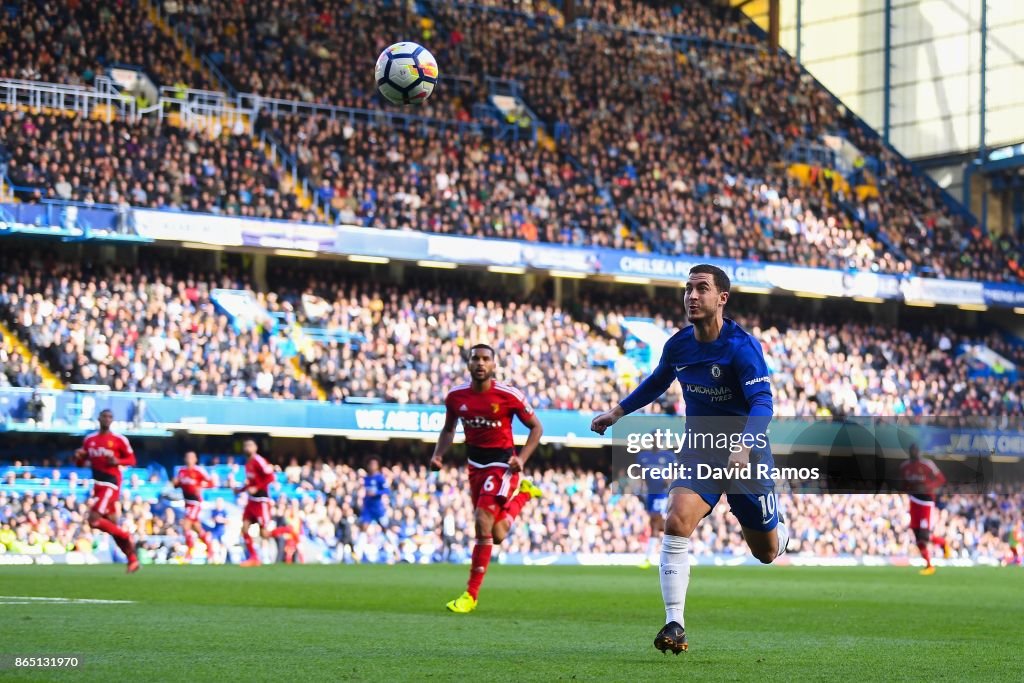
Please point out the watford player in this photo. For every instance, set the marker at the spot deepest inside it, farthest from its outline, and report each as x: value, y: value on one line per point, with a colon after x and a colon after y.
x: 259, y: 475
x: 921, y: 480
x: 107, y: 452
x: 486, y: 409
x: 192, y: 479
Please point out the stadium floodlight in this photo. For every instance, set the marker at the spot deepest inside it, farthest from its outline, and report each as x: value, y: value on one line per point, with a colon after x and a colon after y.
x: 295, y: 253
x: 359, y: 258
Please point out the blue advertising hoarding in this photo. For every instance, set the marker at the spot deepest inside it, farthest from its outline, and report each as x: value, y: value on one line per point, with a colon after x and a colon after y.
x: 411, y: 245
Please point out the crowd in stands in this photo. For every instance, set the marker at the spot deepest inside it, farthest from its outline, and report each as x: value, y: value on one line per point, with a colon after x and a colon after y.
x: 441, y: 181
x: 295, y: 51
x: 155, y: 328
x: 428, y: 518
x: 144, y: 164
x: 144, y: 330
x: 75, y: 41
x: 15, y: 369
x: 690, y: 140
x: 841, y: 364
x: 414, y: 339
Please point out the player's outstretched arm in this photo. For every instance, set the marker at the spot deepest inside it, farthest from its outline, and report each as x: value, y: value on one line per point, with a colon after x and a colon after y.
x: 656, y: 384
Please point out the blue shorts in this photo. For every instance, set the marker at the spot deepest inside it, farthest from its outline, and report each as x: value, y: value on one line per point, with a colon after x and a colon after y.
x: 752, y: 500
x: 372, y: 513
x: 657, y: 503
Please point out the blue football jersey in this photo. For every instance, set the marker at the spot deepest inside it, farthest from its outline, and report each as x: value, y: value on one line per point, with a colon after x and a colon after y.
x: 723, y: 379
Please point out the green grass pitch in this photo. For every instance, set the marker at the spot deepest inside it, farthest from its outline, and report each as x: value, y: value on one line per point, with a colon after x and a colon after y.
x: 302, y: 623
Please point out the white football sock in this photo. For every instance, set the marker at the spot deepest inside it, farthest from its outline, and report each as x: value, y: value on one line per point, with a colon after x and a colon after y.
x: 782, y: 531
x: 652, y: 548
x: 675, y: 576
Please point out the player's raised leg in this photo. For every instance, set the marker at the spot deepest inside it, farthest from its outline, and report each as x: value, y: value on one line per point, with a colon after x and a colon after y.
x: 525, y: 492
x: 685, y: 510
x: 762, y: 526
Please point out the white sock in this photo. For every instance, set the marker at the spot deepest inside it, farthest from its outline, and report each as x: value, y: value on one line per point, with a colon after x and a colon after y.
x: 652, y: 548
x: 782, y: 531
x: 675, y: 576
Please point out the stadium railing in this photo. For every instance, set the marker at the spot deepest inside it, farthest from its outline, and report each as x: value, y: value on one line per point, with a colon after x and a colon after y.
x: 70, y: 98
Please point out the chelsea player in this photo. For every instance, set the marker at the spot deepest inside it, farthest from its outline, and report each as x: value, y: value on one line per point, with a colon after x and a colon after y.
x: 726, y: 384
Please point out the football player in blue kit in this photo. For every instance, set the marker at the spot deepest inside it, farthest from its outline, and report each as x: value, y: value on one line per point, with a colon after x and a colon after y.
x: 727, y: 392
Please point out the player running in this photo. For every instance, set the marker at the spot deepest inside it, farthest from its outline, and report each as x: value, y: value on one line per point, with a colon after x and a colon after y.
x: 486, y: 408
x: 192, y: 479
x: 724, y: 377
x: 375, y: 487
x: 107, y: 452
x: 921, y: 480
x: 259, y: 475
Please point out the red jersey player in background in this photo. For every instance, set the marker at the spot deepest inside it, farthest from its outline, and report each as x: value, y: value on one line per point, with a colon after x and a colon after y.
x: 106, y: 452
x: 192, y: 479
x: 921, y: 480
x: 486, y: 409
x: 259, y: 475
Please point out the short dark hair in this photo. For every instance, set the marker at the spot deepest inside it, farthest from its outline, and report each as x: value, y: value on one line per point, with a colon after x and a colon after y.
x: 481, y: 345
x: 107, y: 410
x: 721, y: 279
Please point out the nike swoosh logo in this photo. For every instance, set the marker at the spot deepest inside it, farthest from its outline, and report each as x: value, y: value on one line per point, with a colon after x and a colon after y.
x: 680, y: 368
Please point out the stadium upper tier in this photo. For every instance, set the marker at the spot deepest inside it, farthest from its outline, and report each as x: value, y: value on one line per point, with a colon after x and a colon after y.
x: 579, y: 513
x: 656, y: 141
x: 441, y: 181
x: 75, y: 41
x: 295, y: 50
x: 144, y: 164
x: 157, y: 328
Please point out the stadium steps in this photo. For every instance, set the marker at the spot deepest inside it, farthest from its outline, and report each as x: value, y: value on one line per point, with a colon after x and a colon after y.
x: 50, y: 380
x: 304, y: 345
x: 289, y: 183
x: 189, y: 56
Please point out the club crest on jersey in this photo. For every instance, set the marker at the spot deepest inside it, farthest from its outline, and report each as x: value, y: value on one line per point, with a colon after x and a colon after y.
x: 495, y: 407
x: 716, y: 371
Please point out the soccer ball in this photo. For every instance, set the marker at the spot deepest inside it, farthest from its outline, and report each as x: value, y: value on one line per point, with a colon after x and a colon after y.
x: 406, y: 73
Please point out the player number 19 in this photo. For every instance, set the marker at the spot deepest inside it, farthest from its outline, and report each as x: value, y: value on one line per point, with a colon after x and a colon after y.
x: 767, y: 506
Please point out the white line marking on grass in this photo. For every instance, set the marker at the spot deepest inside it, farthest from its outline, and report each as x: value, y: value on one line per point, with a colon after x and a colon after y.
x: 35, y: 600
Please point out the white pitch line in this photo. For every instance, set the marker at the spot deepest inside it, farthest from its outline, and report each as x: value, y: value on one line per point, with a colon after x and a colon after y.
x: 30, y: 600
